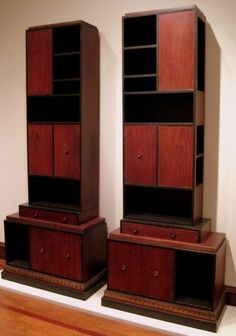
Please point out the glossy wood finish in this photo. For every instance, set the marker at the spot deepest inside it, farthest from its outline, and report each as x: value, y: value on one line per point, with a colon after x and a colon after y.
x: 56, y: 253
x: 22, y: 314
x: 89, y: 68
x: 40, y: 150
x: 67, y: 151
x: 176, y: 50
x: 140, y: 154
x: 175, y: 156
x: 39, y: 62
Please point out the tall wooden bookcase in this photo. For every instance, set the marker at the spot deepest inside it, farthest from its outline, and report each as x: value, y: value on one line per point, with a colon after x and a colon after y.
x: 164, y: 261
x: 57, y: 240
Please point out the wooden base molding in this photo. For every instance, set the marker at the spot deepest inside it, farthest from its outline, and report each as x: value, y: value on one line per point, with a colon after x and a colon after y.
x: 2, y: 250
x: 167, y: 311
x: 80, y: 290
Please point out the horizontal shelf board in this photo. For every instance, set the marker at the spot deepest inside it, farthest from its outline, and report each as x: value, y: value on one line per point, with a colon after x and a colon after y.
x: 141, y: 76
x: 195, y: 302
x: 146, y: 46
x: 156, y: 186
x: 158, y: 92
x: 67, y: 53
x: 55, y: 95
x: 158, y: 218
x: 139, y: 92
x: 66, y: 122
x: 160, y: 123
x: 65, y: 206
x: 56, y: 177
x: 66, y: 79
x: 19, y: 263
x: 199, y: 155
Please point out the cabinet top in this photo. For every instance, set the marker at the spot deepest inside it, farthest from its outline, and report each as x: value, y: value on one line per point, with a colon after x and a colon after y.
x: 62, y: 24
x: 167, y: 10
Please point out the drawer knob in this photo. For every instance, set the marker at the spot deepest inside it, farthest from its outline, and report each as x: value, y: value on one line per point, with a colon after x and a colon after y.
x: 66, y: 151
x: 42, y: 250
x: 134, y: 230
x: 173, y: 235
x: 123, y: 267
x: 140, y: 156
x: 156, y: 274
x: 64, y: 219
x: 67, y: 256
x: 36, y: 214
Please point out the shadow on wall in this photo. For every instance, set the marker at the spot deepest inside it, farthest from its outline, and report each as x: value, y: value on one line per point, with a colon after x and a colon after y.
x: 212, y: 118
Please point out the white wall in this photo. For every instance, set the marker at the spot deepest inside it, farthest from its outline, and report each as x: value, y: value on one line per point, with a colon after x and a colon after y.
x: 220, y: 142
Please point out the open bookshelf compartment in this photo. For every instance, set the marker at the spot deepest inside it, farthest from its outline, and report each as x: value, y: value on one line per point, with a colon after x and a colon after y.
x: 140, y: 61
x: 140, y: 30
x: 199, y: 170
x: 152, y: 202
x: 62, y: 193
x: 144, y: 83
x: 17, y: 244
x: 200, y: 140
x: 194, y: 278
x: 64, y: 108
x: 168, y: 107
x: 66, y: 66
x: 201, y: 56
x: 66, y: 86
x: 66, y: 39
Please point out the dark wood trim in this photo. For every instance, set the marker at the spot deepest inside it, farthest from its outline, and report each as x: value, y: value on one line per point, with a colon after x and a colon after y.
x: 2, y: 250
x: 230, y: 293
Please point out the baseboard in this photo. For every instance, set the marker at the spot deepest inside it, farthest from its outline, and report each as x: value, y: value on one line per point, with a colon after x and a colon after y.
x: 2, y: 250
x: 230, y: 293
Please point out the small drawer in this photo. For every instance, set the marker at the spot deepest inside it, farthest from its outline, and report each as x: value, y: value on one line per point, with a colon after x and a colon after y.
x: 53, y: 216
x: 155, y: 231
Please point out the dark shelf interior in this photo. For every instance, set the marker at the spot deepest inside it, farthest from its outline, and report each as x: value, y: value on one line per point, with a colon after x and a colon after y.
x: 53, y: 108
x: 199, y: 170
x: 151, y: 202
x: 17, y: 244
x: 200, y: 140
x: 139, y: 30
x: 144, y: 83
x: 66, y: 39
x: 168, y: 107
x: 63, y: 193
x: 194, y: 279
x: 201, y: 56
x: 66, y: 86
x: 140, y: 61
x: 66, y: 66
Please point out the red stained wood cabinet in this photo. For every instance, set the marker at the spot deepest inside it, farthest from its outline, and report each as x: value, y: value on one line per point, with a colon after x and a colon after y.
x: 63, y: 241
x: 165, y: 262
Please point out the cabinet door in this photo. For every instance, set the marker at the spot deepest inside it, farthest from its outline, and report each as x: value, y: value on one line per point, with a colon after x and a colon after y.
x: 55, y: 253
x: 158, y: 273
x: 67, y: 151
x: 140, y: 154
x: 40, y: 150
x: 124, y: 268
x: 39, y: 62
x: 175, y: 156
x: 176, y: 50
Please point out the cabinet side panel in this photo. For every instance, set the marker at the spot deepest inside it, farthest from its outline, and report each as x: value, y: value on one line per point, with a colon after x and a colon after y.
x: 219, y: 274
x: 176, y: 50
x: 89, y: 118
x: 39, y: 62
x: 40, y: 150
x: 175, y: 149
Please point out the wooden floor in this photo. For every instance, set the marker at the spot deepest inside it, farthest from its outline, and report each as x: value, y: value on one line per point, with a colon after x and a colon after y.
x: 26, y: 315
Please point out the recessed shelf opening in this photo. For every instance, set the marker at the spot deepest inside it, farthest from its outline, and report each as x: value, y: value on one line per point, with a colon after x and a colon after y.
x: 66, y: 39
x: 140, y: 30
x: 66, y: 66
x: 143, y: 83
x: 140, y: 61
x: 66, y: 86
x: 201, y: 56
x: 199, y: 170
x: 200, y: 140
x: 168, y: 107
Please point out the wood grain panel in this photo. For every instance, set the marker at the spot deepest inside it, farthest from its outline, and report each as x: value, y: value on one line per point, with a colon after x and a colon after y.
x: 140, y: 154
x: 157, y: 273
x: 175, y: 161
x: 67, y: 151
x: 39, y: 62
x: 176, y: 50
x: 40, y: 160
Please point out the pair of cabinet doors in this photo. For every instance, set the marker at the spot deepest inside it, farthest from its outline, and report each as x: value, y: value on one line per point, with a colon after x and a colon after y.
x: 54, y: 150
x: 159, y: 155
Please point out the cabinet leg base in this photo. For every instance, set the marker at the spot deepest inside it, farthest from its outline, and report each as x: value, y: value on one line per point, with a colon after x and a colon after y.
x: 78, y: 290
x: 167, y: 311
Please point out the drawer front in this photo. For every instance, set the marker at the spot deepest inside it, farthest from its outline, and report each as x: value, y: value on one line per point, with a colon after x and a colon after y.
x: 141, y: 270
x: 191, y: 236
x: 53, y: 216
x: 55, y: 253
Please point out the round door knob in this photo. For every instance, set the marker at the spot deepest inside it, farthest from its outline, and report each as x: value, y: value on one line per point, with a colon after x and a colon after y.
x: 64, y: 219
x: 67, y: 256
x: 36, y: 214
x: 140, y: 156
x: 173, y: 235
x: 66, y: 151
x: 123, y: 267
x: 134, y: 230
x: 42, y: 250
x: 156, y: 274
